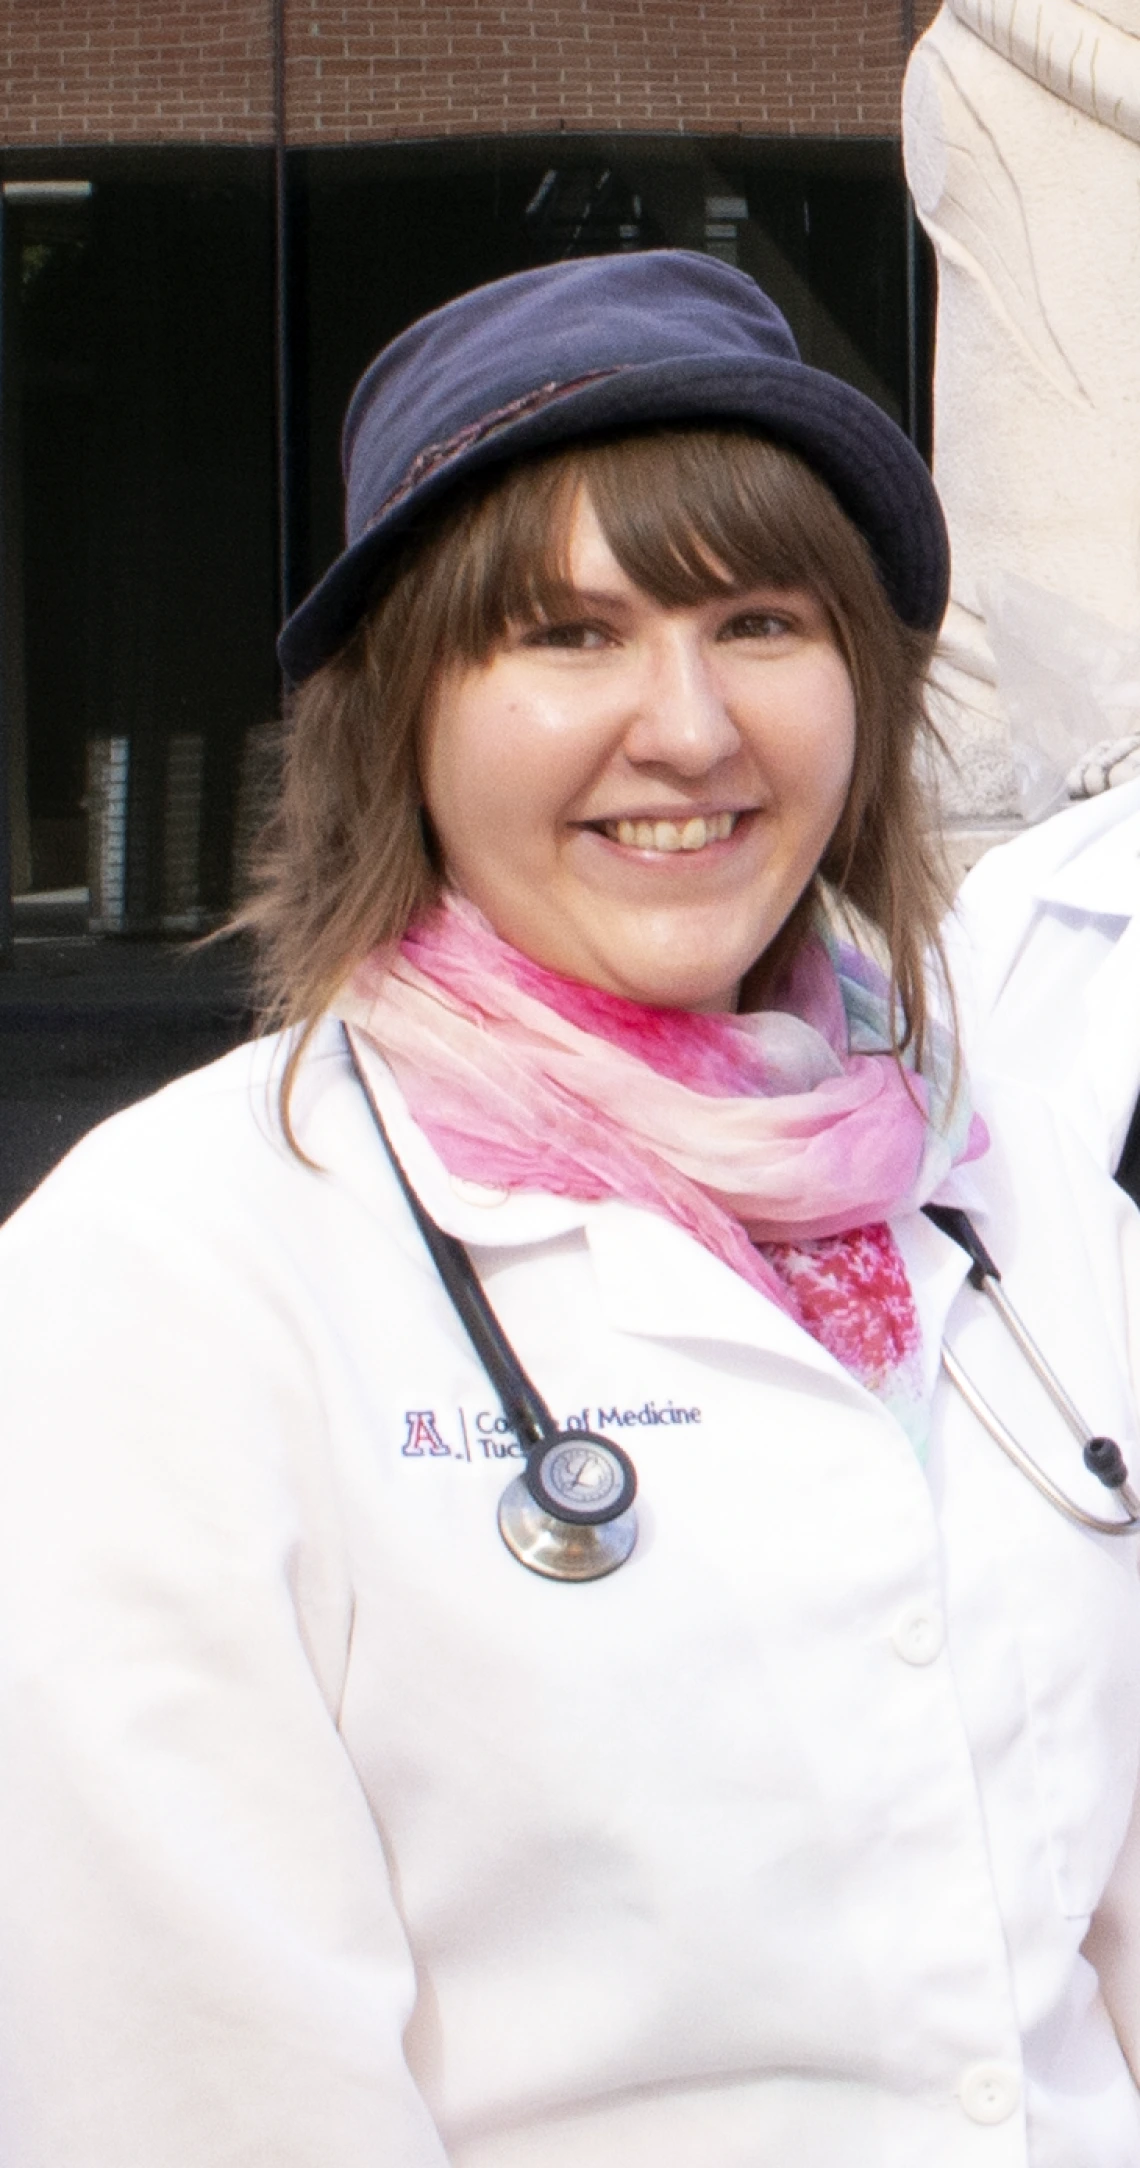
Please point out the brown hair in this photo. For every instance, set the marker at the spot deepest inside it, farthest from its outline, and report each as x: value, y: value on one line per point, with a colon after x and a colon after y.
x: 345, y: 861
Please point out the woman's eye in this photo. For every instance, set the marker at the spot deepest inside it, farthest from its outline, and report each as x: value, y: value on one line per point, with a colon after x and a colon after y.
x: 568, y: 636
x: 757, y: 625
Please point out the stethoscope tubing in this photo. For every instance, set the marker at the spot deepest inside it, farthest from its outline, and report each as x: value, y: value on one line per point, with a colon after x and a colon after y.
x: 522, y: 1403
x: 1102, y: 1456
x: 570, y: 1515
x: 997, y: 1296
x: 1031, y: 1469
x: 535, y: 1426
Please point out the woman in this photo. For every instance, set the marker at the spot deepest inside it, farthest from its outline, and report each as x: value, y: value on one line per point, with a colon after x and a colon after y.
x: 355, y: 1814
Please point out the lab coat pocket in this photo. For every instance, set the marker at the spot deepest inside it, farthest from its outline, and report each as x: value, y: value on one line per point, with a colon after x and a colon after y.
x: 1080, y: 1649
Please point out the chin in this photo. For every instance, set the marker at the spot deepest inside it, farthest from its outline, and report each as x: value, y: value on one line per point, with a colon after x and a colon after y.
x: 669, y: 987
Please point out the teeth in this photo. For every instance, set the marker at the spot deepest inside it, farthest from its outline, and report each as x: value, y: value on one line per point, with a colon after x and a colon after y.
x: 690, y: 835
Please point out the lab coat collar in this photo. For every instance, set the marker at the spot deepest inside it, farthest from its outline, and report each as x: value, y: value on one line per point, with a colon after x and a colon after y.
x: 472, y: 1211
x: 655, y: 1281
x: 1091, y: 856
x: 652, y: 1278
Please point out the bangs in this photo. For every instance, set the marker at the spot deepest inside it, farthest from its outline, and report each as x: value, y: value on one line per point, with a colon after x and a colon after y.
x: 688, y: 513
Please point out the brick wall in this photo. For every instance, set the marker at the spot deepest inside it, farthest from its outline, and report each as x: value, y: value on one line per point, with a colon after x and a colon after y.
x: 201, y: 70
x: 450, y: 67
x: 131, y: 71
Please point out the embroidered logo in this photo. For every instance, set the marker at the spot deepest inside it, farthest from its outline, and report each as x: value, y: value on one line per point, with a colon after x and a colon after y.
x: 484, y: 1434
x: 423, y: 1434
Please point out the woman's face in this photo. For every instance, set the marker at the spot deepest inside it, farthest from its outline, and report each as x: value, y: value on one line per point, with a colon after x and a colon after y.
x: 637, y: 795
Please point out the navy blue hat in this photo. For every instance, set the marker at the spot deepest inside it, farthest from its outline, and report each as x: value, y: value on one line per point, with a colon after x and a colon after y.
x: 607, y: 343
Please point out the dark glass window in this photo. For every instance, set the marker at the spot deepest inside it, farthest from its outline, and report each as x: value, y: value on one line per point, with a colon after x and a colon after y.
x: 140, y: 519
x: 139, y: 527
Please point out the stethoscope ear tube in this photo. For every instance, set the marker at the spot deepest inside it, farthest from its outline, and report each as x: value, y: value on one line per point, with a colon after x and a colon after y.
x: 1102, y: 1456
x: 1036, y: 1475
x: 569, y: 1515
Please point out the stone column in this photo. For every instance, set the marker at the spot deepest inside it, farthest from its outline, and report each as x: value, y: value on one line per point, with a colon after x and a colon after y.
x: 1021, y: 132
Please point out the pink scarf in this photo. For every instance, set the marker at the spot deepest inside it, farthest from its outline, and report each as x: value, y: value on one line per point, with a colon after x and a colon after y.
x: 780, y: 1139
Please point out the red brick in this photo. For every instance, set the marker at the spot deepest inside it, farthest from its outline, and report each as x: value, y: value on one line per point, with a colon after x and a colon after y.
x: 202, y: 70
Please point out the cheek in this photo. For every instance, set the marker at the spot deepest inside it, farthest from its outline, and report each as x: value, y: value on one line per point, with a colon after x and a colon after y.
x: 502, y: 768
x: 821, y: 746
x: 457, y: 768
x: 484, y: 786
x: 839, y: 758
x: 846, y: 747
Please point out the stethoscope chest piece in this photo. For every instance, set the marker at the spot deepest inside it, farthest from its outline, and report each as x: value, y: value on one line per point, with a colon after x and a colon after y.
x: 570, y: 1515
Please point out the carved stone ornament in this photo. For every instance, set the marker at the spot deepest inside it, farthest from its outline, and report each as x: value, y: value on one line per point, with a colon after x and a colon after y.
x: 1021, y: 131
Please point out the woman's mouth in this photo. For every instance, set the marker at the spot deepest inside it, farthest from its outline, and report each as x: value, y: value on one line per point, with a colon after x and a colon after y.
x: 694, y: 833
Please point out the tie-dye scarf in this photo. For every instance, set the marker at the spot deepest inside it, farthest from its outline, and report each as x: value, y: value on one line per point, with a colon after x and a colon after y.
x: 781, y: 1139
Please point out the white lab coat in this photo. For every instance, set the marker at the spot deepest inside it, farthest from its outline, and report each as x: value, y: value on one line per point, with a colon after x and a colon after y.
x: 332, y: 1838
x: 1044, y: 948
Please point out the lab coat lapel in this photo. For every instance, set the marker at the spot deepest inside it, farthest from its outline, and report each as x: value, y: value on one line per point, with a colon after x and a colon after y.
x: 655, y: 1281
x: 652, y: 1278
x: 1101, y: 1096
x: 474, y: 1213
x: 1103, y: 883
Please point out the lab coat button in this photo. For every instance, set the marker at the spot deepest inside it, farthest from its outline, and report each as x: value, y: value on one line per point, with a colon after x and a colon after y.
x: 917, y: 1634
x: 477, y: 1192
x: 989, y: 2092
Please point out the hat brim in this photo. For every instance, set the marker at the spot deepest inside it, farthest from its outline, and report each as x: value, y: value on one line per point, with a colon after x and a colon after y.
x: 875, y: 472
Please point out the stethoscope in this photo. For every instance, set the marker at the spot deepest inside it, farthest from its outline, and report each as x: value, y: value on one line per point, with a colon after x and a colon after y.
x: 570, y: 1515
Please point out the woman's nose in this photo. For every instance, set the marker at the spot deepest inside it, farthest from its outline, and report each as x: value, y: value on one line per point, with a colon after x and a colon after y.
x: 680, y: 719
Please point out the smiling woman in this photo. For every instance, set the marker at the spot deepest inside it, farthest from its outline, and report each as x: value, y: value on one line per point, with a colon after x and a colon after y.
x: 620, y: 630
x: 393, y: 1774
x: 639, y: 793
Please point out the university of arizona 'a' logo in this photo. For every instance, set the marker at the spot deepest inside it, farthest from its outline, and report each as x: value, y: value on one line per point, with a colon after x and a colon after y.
x: 423, y: 1434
